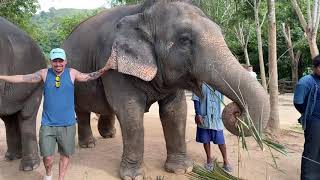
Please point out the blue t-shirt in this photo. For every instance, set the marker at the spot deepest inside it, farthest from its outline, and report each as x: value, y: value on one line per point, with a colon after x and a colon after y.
x: 58, y: 104
x: 302, y: 89
x: 307, y: 92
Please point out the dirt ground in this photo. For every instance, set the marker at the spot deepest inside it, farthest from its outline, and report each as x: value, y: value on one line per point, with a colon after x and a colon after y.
x: 102, y: 162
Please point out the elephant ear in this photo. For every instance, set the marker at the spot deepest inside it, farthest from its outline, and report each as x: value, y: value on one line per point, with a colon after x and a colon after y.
x: 132, y: 50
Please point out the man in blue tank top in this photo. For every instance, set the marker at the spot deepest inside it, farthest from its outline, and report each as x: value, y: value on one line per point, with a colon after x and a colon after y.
x: 307, y: 102
x: 58, y: 117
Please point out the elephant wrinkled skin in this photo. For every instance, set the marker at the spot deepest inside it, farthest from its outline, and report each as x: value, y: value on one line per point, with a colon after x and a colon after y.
x: 19, y: 103
x: 159, y: 48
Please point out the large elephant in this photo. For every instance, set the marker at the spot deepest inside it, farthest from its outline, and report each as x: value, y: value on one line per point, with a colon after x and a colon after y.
x: 159, y: 48
x: 19, y: 103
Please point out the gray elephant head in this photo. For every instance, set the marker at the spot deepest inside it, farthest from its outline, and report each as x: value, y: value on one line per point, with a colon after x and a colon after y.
x: 175, y: 44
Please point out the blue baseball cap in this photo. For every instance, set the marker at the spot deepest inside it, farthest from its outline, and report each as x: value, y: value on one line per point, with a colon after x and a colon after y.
x: 57, y: 53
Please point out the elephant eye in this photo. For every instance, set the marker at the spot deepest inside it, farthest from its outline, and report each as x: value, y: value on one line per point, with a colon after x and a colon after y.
x: 185, y: 39
x: 118, y: 26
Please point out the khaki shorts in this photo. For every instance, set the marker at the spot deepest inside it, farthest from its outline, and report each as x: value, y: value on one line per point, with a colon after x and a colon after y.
x: 64, y: 136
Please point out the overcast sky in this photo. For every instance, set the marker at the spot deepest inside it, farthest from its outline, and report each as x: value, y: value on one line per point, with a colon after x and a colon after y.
x: 76, y: 4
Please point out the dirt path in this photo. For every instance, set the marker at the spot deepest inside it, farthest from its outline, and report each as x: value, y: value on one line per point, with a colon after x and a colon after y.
x: 102, y: 162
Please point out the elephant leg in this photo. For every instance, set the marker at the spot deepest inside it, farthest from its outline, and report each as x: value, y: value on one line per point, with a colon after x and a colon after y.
x: 30, y: 159
x: 86, y: 139
x: 173, y: 115
x: 131, y: 121
x: 106, y: 125
x: 27, y: 119
x: 27, y: 123
x: 13, y: 138
x: 129, y: 104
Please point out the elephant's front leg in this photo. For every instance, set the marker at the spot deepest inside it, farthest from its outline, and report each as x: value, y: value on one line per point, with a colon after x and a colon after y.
x: 13, y: 135
x: 173, y: 115
x: 30, y: 158
x: 131, y: 121
x: 27, y: 118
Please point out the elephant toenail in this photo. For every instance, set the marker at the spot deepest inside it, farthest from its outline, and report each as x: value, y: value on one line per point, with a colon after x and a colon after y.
x: 138, y: 178
x: 189, y: 169
x: 127, y: 178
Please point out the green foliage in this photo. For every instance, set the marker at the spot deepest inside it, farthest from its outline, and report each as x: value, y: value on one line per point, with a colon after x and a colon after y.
x: 286, y: 14
x: 19, y: 12
x: 218, y: 173
x: 220, y: 11
x: 124, y: 2
x: 296, y: 128
x: 246, y: 124
x: 229, y: 13
x: 160, y: 178
x: 48, y: 29
x: 55, y: 25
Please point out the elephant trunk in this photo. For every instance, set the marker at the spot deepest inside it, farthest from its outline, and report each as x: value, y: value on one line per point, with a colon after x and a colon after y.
x: 221, y: 70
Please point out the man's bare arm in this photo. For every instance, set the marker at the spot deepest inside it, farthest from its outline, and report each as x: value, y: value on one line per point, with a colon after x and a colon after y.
x: 28, y: 78
x: 83, y: 77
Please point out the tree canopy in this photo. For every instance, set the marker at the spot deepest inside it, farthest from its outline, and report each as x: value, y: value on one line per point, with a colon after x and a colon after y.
x: 55, y: 26
x: 19, y: 12
x: 48, y: 29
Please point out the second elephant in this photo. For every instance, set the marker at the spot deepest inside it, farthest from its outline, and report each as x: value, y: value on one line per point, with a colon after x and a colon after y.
x: 160, y: 48
x: 19, y: 103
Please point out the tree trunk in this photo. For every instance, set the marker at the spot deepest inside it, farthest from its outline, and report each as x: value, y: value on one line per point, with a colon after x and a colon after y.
x: 295, y: 65
x: 245, y: 49
x: 313, y: 46
x: 310, y: 27
x: 259, y: 41
x: 294, y: 58
x: 243, y: 35
x: 274, y: 123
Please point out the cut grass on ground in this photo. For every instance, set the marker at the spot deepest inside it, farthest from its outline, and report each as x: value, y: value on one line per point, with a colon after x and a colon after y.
x: 296, y: 128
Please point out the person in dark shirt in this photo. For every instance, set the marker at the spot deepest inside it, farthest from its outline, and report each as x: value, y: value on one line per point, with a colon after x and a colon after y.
x: 307, y: 102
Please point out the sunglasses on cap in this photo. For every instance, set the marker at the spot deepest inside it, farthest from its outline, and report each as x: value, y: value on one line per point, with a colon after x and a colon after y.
x: 58, y: 83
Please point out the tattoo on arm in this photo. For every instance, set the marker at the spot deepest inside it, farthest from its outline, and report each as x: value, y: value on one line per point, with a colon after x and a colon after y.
x: 93, y: 75
x: 36, y: 77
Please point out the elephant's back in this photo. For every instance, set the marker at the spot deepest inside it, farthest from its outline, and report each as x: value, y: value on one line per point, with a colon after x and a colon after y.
x: 19, y: 54
x: 89, y: 44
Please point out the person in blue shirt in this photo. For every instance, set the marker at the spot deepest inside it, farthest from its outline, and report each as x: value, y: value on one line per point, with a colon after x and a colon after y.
x: 58, y: 116
x: 209, y: 124
x: 307, y: 101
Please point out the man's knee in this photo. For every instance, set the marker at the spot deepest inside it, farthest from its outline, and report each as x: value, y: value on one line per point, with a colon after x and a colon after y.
x: 48, y: 158
x: 48, y: 161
